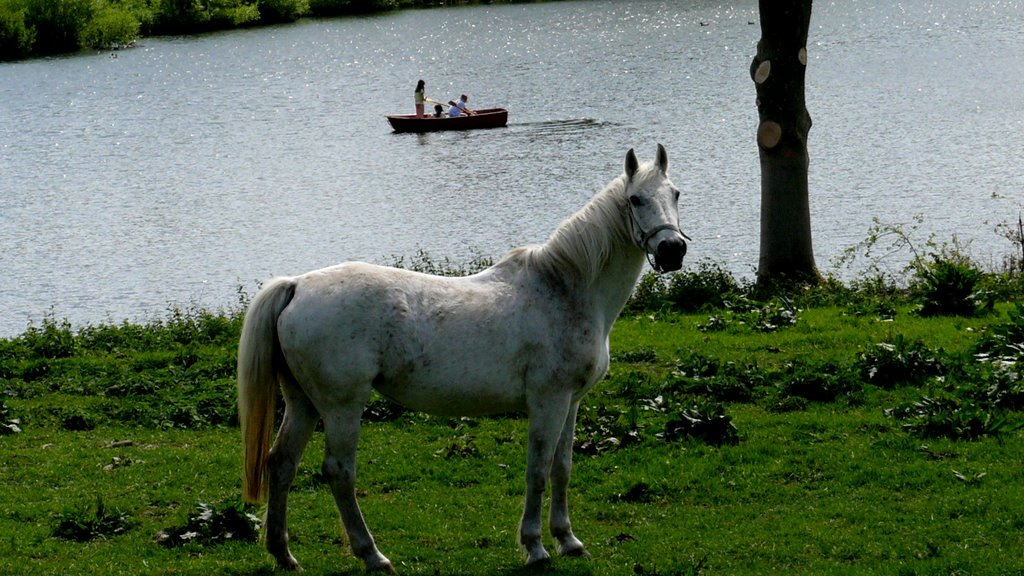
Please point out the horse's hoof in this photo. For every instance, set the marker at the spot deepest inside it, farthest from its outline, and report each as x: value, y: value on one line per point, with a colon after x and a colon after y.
x: 380, y: 565
x: 289, y: 565
x: 539, y: 560
x: 574, y: 551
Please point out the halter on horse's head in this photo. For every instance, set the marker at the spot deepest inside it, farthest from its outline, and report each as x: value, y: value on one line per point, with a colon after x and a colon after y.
x: 652, y: 205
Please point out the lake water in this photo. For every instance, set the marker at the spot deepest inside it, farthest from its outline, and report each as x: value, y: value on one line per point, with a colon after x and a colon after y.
x: 186, y: 168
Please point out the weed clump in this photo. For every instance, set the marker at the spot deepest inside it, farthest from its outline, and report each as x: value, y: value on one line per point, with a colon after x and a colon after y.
x: 213, y: 524
x: 898, y: 363
x: 83, y: 526
x: 706, y: 422
x: 8, y: 424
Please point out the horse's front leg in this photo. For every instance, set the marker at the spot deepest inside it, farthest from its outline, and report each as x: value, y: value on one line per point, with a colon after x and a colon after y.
x: 547, y: 418
x: 561, y: 470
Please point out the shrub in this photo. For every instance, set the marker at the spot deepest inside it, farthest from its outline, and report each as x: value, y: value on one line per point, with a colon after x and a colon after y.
x: 51, y: 339
x: 342, y: 7
x: 57, y: 23
x: 283, y: 10
x: 110, y: 28
x: 707, y: 287
x: 16, y: 37
x: 946, y: 285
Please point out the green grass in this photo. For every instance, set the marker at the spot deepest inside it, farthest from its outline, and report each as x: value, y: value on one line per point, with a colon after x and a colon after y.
x: 813, y: 487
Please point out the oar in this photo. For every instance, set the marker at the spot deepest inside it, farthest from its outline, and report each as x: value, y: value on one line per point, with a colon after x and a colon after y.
x: 464, y: 109
x: 432, y: 101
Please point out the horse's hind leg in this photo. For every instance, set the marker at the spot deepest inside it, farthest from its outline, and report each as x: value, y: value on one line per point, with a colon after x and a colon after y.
x: 342, y: 437
x: 561, y: 469
x: 300, y: 418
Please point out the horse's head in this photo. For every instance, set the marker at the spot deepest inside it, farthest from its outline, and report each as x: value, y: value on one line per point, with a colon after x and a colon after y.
x: 652, y: 202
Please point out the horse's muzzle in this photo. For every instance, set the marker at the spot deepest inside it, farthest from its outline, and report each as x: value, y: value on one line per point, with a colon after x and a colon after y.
x: 669, y: 255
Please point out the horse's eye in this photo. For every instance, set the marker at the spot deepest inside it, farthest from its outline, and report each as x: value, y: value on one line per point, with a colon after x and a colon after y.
x: 635, y: 200
x: 675, y: 192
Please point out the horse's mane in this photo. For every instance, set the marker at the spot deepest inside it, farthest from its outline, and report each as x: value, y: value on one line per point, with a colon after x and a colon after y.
x: 583, y: 242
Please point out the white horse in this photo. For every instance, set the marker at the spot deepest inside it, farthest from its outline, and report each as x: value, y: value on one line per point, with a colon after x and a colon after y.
x: 528, y: 334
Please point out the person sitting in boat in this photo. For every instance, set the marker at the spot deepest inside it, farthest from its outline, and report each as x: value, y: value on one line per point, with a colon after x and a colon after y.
x: 459, y: 108
x: 438, y: 111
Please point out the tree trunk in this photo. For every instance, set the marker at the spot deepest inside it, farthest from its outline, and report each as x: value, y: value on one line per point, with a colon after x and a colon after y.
x: 778, y: 74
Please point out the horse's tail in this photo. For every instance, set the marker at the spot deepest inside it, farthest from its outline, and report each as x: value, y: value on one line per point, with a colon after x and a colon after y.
x: 260, y: 365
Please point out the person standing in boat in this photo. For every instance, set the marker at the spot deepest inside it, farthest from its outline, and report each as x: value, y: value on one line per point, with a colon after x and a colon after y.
x: 459, y: 108
x: 420, y: 97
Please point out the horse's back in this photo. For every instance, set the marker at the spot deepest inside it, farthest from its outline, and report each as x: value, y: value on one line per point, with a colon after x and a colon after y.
x: 437, y: 344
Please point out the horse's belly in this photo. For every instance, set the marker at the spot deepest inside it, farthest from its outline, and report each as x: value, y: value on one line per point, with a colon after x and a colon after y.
x: 453, y: 400
x: 454, y: 390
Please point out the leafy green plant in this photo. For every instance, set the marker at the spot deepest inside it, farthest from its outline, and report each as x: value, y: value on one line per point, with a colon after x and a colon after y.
x: 212, y: 524
x: 770, y: 316
x: 51, y: 339
x: 952, y: 417
x: 946, y: 285
x: 8, y: 425
x: 706, y: 422
x: 1014, y: 263
x: 818, y: 383
x: 423, y: 262
x: 463, y: 447
x: 380, y: 409
x: 1006, y: 339
x: 74, y: 419
x: 897, y: 363
x: 602, y: 429
x: 83, y: 526
x: 725, y: 382
x: 707, y: 287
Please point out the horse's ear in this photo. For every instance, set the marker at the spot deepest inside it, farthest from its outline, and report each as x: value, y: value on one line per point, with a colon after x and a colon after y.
x: 632, y: 165
x: 662, y: 159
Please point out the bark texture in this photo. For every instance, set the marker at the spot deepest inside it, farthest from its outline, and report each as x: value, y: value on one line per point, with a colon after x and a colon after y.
x: 778, y: 74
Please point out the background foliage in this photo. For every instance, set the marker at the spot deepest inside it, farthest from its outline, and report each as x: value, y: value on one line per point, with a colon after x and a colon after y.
x: 43, y: 27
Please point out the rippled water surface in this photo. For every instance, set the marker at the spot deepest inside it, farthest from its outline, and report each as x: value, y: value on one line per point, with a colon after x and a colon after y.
x: 187, y: 167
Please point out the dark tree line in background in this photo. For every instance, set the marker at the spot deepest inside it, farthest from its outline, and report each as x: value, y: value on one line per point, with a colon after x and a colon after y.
x: 43, y: 27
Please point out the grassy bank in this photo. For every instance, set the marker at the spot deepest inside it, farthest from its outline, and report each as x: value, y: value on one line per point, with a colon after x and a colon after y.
x: 836, y: 430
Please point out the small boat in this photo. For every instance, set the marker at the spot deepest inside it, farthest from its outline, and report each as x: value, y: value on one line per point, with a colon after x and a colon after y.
x: 484, y: 118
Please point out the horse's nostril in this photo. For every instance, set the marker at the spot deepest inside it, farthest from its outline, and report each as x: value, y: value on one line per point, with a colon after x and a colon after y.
x: 669, y: 255
x: 672, y: 249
